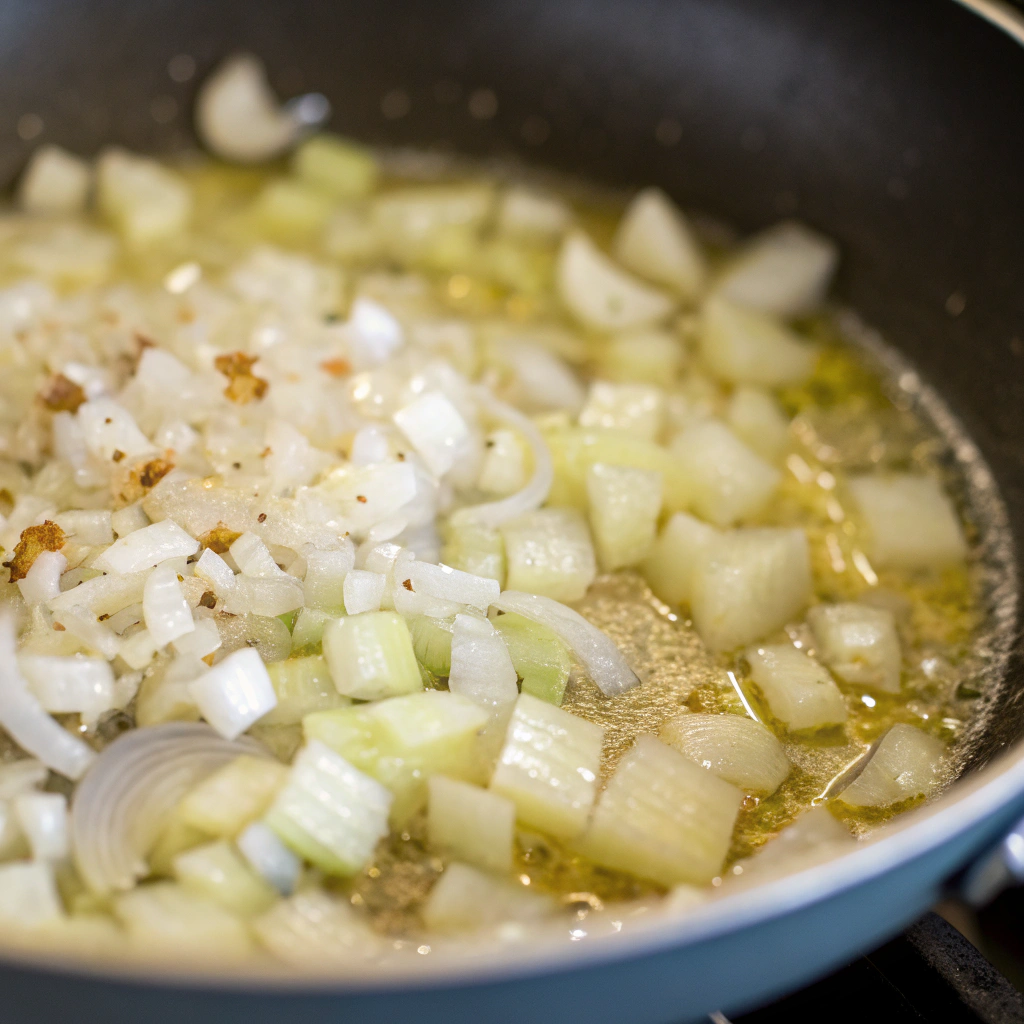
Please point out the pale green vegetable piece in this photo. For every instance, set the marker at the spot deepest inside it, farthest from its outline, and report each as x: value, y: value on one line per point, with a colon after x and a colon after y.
x: 165, y: 918
x: 330, y: 813
x: 146, y: 202
x: 636, y: 408
x: 728, y: 481
x: 743, y: 346
x: 549, y: 767
x: 859, y: 643
x: 601, y: 295
x: 574, y: 450
x: 470, y: 824
x: 432, y: 642
x: 302, y: 685
x: 662, y: 817
x: 175, y: 837
x: 801, y: 694
x: 669, y: 566
x: 370, y: 656
x: 785, y: 270
x: 756, y: 418
x: 474, y: 548
x: 624, y: 507
x: 654, y: 240
x: 549, y: 552
x: 748, y: 583
x: 416, y: 223
x: 217, y: 872
x: 337, y: 166
x: 540, y: 659
x: 647, y: 356
x: 403, y: 741
x: 226, y: 801
x: 907, y: 763
x: 290, y: 210
x: 911, y: 522
x: 733, y: 747
x: 308, y: 631
x: 532, y: 217
x: 465, y: 899
x: 314, y: 928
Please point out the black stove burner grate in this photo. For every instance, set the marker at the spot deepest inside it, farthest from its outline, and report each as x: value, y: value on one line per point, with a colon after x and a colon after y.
x: 931, y: 973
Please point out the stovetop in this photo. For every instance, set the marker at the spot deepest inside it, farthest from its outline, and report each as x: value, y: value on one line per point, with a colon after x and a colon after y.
x: 931, y: 973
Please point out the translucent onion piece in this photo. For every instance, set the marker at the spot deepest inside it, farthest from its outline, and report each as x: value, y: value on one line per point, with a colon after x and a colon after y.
x: 600, y: 657
x: 29, y: 725
x: 481, y: 668
x: 906, y: 763
x: 733, y: 747
x: 535, y: 493
x: 122, y: 804
x: 238, y: 116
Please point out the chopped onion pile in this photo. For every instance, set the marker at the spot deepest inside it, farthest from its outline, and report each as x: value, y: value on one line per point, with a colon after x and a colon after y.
x: 309, y: 492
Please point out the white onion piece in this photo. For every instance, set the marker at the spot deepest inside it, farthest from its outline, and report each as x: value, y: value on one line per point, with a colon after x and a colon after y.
x: 595, y: 650
x: 215, y: 571
x: 44, y: 821
x: 364, y: 591
x: 164, y: 607
x: 481, y: 667
x: 253, y: 558
x: 84, y: 626
x: 535, y: 493
x: 147, y: 547
x: 373, y: 332
x: 369, y: 446
x: 109, y: 427
x: 238, y: 116
x: 447, y: 584
x: 124, y: 801
x: 235, y: 693
x: 24, y: 718
x: 87, y: 526
x: 67, y: 685
x: 42, y: 581
x: 435, y: 428
x: 203, y: 640
x: 269, y: 857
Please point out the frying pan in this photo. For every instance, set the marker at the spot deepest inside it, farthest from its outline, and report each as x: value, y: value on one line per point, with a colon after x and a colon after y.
x: 894, y: 128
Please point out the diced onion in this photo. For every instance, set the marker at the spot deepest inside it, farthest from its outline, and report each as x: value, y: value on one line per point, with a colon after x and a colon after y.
x: 166, y: 611
x: 536, y: 491
x: 147, y: 547
x: 42, y: 581
x: 123, y: 803
x: 447, y: 584
x: 235, y: 693
x: 67, y: 685
x: 435, y: 428
x: 30, y: 726
x: 364, y: 591
x: 596, y: 650
x: 481, y: 668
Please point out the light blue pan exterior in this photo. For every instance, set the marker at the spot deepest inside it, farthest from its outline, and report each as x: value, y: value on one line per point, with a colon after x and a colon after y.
x: 784, y: 934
